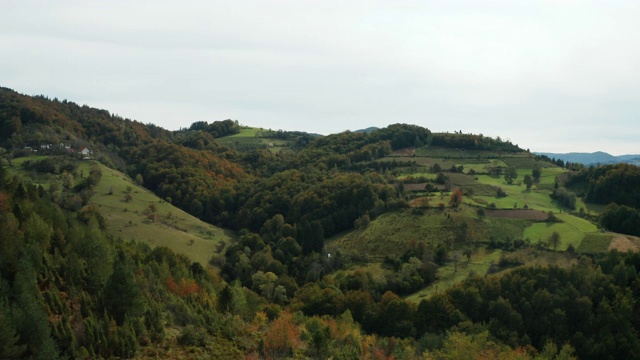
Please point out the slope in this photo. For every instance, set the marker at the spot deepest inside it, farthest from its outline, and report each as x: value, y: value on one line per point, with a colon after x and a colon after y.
x: 133, y: 219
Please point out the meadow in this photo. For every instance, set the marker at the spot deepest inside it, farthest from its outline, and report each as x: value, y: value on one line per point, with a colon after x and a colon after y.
x: 129, y: 220
x: 392, y: 233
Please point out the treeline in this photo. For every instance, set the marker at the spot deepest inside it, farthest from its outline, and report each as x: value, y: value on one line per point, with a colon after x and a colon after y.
x: 619, y: 183
x: 217, y: 128
x: 473, y: 142
x: 618, y: 186
x: 34, y: 121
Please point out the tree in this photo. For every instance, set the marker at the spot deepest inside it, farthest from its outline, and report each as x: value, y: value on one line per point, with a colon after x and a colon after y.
x: 9, y: 339
x: 536, y: 172
x: 510, y: 175
x: 528, y: 180
x: 122, y: 297
x: 554, y: 240
x: 456, y: 198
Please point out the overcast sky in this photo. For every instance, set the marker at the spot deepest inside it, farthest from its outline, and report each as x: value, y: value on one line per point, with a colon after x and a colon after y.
x: 555, y: 76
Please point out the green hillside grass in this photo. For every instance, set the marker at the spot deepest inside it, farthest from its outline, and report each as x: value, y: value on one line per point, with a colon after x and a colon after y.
x: 572, y: 231
x: 595, y: 243
x: 479, y: 264
x: 172, y: 228
x: 258, y: 137
x: 392, y: 233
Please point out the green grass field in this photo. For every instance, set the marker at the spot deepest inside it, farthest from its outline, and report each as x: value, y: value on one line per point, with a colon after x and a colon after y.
x: 255, y: 137
x: 172, y: 228
x: 595, y: 243
x: 391, y: 233
x: 448, y: 276
x: 572, y: 231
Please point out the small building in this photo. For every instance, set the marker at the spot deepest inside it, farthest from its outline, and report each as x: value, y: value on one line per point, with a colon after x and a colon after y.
x: 85, y: 152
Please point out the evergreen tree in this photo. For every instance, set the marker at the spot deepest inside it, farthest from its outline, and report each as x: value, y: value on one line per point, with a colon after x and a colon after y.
x: 122, y: 296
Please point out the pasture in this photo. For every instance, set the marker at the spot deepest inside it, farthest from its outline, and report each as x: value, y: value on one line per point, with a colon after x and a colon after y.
x: 250, y: 137
x: 169, y: 226
x: 451, y: 274
x: 130, y: 220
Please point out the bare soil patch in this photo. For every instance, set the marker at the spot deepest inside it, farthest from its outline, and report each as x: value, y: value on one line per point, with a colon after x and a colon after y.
x: 518, y: 214
x: 625, y: 243
x: 410, y: 151
x: 415, y: 187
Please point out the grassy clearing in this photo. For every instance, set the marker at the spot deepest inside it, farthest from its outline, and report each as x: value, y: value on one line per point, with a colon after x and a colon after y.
x: 506, y: 229
x: 172, y: 227
x: 255, y: 137
x: 459, y: 179
x: 246, y: 132
x: 548, y: 175
x: 16, y: 169
x: 445, y: 152
x: 448, y: 276
x: 391, y: 234
x: 520, y: 162
x: 479, y: 189
x: 595, y: 243
x: 572, y: 231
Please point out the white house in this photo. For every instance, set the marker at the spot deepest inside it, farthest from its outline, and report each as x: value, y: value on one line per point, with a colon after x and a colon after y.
x: 85, y: 152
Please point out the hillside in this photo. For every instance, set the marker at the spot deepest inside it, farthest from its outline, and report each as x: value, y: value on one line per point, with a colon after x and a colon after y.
x: 126, y: 208
x: 394, y: 243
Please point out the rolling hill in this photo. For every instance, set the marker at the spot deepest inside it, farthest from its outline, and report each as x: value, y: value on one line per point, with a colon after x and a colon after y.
x: 594, y: 158
x: 391, y: 243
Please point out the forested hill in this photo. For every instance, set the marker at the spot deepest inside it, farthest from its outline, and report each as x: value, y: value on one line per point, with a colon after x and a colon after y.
x: 397, y: 243
x: 595, y: 158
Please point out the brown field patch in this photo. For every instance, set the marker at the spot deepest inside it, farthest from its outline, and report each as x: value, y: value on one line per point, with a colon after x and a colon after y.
x: 625, y: 243
x: 415, y: 187
x: 410, y: 151
x: 517, y: 214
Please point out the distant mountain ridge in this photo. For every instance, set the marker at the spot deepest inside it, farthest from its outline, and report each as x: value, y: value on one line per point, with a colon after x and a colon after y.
x: 598, y: 157
x: 368, y: 130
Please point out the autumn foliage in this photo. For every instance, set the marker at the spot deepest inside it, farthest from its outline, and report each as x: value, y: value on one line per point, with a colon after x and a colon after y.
x: 184, y: 287
x: 456, y: 198
x: 282, y: 338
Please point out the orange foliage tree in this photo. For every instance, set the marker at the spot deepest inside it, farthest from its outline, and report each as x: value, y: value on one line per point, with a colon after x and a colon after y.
x: 456, y: 198
x: 283, y: 337
x: 184, y: 287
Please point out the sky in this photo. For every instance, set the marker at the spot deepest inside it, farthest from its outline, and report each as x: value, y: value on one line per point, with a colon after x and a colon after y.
x: 550, y: 76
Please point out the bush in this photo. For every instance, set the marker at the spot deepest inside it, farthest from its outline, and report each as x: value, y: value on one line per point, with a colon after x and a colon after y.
x: 192, y: 336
